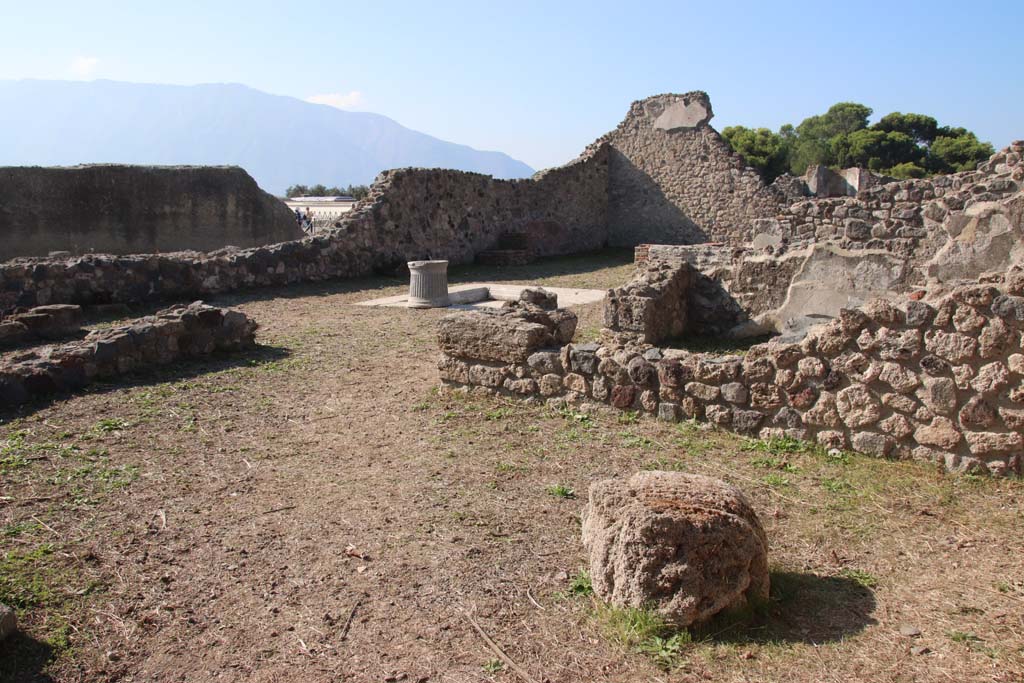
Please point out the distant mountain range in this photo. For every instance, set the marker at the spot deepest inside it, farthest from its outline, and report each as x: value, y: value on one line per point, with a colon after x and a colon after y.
x: 279, y: 140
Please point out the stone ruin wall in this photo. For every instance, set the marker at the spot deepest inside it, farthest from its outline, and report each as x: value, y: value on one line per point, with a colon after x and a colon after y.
x: 182, y: 331
x: 778, y: 246
x: 940, y: 382
x: 674, y: 180
x: 409, y: 214
x: 122, y: 209
x: 819, y: 255
x: 454, y: 215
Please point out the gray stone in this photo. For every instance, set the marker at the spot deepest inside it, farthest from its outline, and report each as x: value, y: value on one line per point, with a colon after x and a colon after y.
x: 8, y: 622
x: 583, y: 358
x: 547, y: 361
x: 1007, y: 306
x: 734, y: 392
x: 746, y: 421
x: 919, y: 313
x: 669, y: 412
x: 871, y: 443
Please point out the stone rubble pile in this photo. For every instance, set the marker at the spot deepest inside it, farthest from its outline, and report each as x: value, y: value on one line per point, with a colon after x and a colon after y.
x: 182, y: 331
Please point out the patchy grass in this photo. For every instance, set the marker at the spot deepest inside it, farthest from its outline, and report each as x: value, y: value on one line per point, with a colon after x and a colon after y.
x: 718, y: 345
x: 861, y: 577
x: 580, y: 585
x: 645, y: 632
x: 329, y: 474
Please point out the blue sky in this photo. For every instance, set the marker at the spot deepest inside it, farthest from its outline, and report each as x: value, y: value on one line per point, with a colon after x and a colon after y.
x: 540, y: 80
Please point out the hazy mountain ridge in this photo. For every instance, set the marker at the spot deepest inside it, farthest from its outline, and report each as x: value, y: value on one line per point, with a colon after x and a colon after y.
x: 278, y: 140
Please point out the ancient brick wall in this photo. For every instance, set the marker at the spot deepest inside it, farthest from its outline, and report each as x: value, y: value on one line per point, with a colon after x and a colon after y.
x: 913, y: 219
x: 673, y: 180
x: 940, y: 382
x: 136, y: 210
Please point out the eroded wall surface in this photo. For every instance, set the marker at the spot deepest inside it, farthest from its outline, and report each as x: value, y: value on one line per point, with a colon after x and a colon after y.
x: 453, y: 215
x: 136, y: 210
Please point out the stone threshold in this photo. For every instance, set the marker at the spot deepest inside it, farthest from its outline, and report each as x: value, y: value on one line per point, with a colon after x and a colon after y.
x: 487, y: 295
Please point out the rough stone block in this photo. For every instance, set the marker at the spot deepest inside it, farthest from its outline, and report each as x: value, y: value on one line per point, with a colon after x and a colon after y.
x: 684, y: 545
x: 483, y: 336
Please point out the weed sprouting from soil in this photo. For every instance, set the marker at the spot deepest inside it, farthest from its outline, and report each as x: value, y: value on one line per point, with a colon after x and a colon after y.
x: 580, y: 585
x: 561, y: 491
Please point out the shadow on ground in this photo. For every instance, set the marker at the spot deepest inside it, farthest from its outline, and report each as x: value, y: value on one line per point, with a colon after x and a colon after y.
x: 803, y: 608
x: 23, y: 658
x: 543, y: 268
x: 158, y: 374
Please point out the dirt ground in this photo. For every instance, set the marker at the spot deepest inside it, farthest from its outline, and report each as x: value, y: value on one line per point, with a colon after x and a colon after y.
x: 318, y: 511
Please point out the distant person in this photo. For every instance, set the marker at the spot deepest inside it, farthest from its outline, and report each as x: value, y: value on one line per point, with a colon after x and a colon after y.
x: 298, y: 216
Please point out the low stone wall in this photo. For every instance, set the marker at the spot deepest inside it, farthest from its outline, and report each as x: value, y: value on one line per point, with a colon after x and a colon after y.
x: 123, y: 209
x: 41, y: 322
x: 410, y: 214
x: 940, y: 382
x: 183, y: 331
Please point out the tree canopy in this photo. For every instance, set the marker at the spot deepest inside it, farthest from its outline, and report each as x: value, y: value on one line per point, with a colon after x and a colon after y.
x: 320, y: 190
x: 900, y: 145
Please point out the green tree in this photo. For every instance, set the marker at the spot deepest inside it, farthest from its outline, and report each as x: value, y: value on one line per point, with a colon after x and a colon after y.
x: 875, y: 149
x: 813, y: 137
x: 321, y: 190
x: 760, y: 148
x: 956, y: 149
x: 918, y: 126
x: 907, y: 170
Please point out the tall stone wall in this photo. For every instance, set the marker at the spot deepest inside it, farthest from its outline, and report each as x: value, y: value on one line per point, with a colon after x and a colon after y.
x: 135, y: 209
x: 672, y: 179
x: 409, y: 214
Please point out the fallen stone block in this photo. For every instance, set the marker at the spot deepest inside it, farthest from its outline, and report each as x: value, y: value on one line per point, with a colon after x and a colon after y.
x: 684, y: 545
